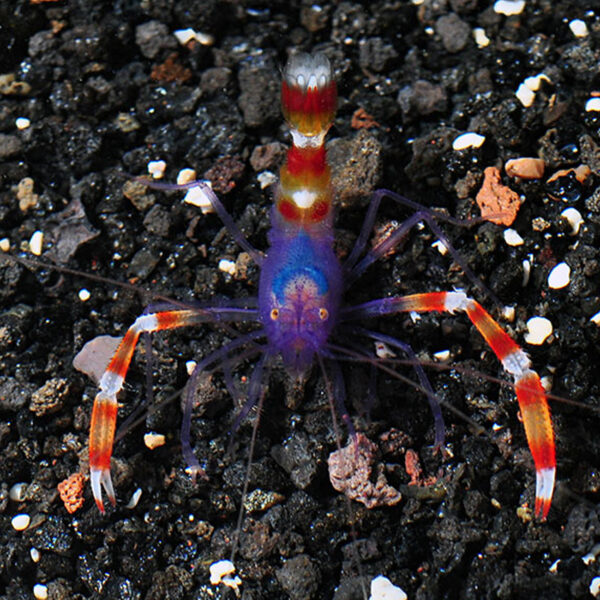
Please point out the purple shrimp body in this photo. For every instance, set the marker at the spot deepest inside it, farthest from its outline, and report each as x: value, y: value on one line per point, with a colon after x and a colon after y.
x: 299, y: 295
x: 301, y: 280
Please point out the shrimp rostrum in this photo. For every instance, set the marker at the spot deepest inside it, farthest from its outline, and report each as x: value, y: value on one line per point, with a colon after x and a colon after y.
x: 300, y: 309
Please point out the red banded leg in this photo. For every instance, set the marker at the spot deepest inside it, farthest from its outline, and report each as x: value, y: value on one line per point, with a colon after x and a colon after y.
x: 104, y: 413
x: 530, y: 393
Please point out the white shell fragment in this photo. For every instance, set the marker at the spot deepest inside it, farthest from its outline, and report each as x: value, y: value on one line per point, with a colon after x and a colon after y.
x: 156, y: 168
x: 538, y: 330
x: 534, y: 82
x: 574, y: 218
x: 36, y: 242
x: 442, y: 355
x: 578, y: 28
x: 559, y: 276
x: 185, y: 176
x: 383, y: 350
x: 20, y: 522
x: 5, y: 244
x: 135, y: 498
x: 190, y: 365
x: 481, y: 39
x: 266, y: 178
x: 468, y: 140
x: 595, y: 319
x: 17, y: 492
x: 512, y: 238
x: 509, y: 7
x: 184, y: 35
x: 40, y: 591
x: 525, y: 95
x: 154, y: 440
x: 592, y: 105
x: 227, y: 266
x: 22, y: 123
x: 440, y: 247
x: 196, y: 197
x: 383, y: 589
x: 84, y: 295
x: 223, y: 571
x: 187, y: 35
x: 35, y: 555
x: 595, y: 587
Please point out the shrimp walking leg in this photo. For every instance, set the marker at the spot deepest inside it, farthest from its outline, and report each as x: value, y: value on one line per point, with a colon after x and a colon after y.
x: 531, y: 396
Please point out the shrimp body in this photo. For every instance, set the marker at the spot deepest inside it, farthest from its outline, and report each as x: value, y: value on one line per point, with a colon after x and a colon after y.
x: 299, y: 297
x: 301, y: 279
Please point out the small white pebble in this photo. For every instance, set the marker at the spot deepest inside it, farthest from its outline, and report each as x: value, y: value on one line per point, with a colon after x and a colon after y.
x: 525, y: 95
x: 35, y: 554
x: 442, y: 355
x: 84, y: 295
x: 205, y: 39
x: 5, y: 244
x: 440, y: 247
x: 190, y: 365
x: 383, y: 350
x: 156, y: 168
x: 22, y: 123
x: 554, y: 566
x: 40, y: 591
x: 223, y: 571
x: 591, y: 556
x: 538, y: 330
x: 227, y: 266
x: 185, y: 176
x: 196, y: 197
x: 497, y: 427
x: 481, y: 39
x: 187, y: 35
x: 36, y: 242
x: 266, y: 178
x: 184, y: 35
x: 154, y: 440
x: 592, y: 105
x: 559, y: 276
x: 546, y: 382
x: 383, y: 589
x: 578, y: 28
x: 534, y: 82
x: 468, y: 140
x: 512, y: 238
x: 20, y: 522
x: 574, y: 218
x: 509, y: 7
x: 135, y: 498
x: 508, y: 313
x: 526, y: 272
x: 595, y: 587
x: 17, y: 492
x: 595, y: 319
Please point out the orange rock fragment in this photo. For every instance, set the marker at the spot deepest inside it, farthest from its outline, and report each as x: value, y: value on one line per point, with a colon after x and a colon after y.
x: 71, y: 492
x: 361, y: 119
x: 525, y: 168
x: 582, y: 172
x: 497, y: 202
x: 171, y: 70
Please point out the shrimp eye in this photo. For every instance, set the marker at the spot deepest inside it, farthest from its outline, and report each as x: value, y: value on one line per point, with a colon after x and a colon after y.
x: 323, y: 314
x: 274, y: 314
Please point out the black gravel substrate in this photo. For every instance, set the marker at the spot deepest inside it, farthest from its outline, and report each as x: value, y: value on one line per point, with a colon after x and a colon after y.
x: 107, y: 87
